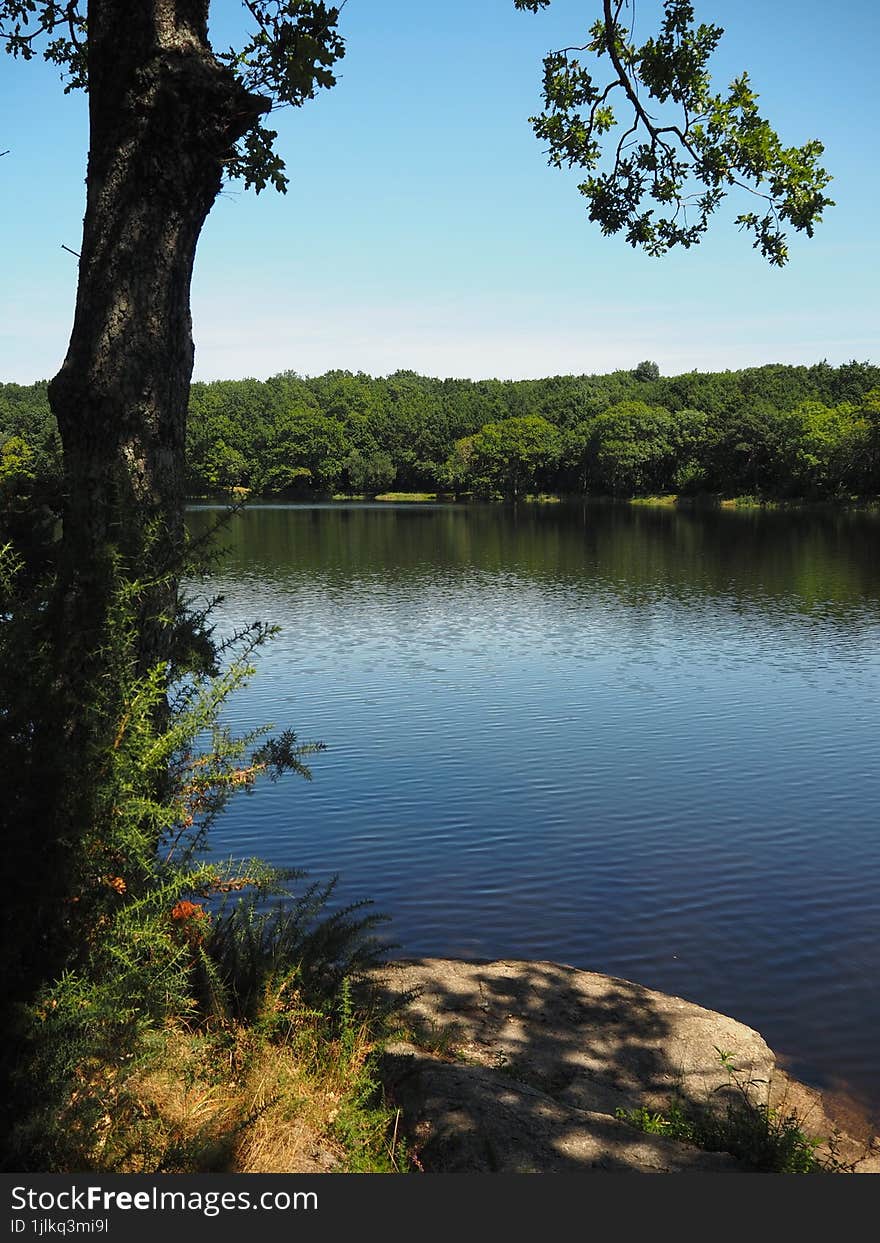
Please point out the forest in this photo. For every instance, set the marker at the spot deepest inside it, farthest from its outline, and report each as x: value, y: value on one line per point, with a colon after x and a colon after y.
x: 772, y: 432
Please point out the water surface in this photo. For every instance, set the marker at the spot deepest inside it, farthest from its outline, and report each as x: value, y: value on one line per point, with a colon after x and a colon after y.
x: 638, y: 741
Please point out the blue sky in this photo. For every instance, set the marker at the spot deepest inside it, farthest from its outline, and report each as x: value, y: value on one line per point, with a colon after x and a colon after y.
x: 424, y: 230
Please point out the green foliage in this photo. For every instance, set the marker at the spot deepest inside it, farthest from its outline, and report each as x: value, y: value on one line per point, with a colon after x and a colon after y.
x: 825, y: 447
x: 270, y: 966
x: 24, y: 22
x: 144, y: 943
x: 635, y: 448
x: 30, y: 468
x: 305, y: 450
x: 226, y: 468
x: 16, y: 465
x: 679, y: 145
x: 159, y: 951
x: 287, y: 57
x: 368, y: 474
x: 134, y: 904
x: 646, y: 370
x: 508, y: 458
x: 766, y: 1139
x: 773, y: 432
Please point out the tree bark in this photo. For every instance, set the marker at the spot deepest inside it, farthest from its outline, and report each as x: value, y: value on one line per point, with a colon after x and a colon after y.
x: 163, y: 116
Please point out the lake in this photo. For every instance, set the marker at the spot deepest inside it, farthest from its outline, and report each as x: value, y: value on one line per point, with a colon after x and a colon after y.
x: 641, y: 741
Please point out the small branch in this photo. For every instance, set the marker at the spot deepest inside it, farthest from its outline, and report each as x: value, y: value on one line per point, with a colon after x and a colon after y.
x: 17, y: 39
x: 72, y: 15
x: 67, y: 248
x: 623, y: 77
x: 257, y: 16
x: 600, y: 101
x: 655, y: 131
x: 632, y: 129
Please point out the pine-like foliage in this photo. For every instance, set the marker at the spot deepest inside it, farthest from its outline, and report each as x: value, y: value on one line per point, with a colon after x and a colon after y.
x: 155, y: 932
x: 266, y: 965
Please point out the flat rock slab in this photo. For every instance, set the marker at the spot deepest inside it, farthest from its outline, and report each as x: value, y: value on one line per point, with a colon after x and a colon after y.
x: 473, y: 1120
x: 522, y: 1065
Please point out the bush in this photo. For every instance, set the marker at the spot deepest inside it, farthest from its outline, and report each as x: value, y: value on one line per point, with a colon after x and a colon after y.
x: 766, y: 1139
x: 154, y: 943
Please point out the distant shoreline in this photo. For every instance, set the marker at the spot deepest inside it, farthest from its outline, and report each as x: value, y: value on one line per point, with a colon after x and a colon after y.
x: 707, y: 501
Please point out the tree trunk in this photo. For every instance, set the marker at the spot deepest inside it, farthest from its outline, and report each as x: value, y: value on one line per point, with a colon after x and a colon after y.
x: 163, y: 116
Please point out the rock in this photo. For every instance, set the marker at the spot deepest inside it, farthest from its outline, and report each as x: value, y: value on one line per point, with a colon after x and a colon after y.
x: 515, y: 1066
x: 473, y: 1120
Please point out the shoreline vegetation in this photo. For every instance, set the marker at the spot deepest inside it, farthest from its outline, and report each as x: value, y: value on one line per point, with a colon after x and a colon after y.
x: 389, y: 1070
x: 669, y: 500
x: 765, y: 436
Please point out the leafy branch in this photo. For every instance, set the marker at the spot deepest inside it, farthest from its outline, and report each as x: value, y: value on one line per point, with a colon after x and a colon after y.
x: 23, y: 22
x: 289, y: 57
x: 684, y: 164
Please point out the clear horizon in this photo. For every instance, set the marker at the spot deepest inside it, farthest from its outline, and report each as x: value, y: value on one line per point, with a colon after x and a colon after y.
x: 424, y: 231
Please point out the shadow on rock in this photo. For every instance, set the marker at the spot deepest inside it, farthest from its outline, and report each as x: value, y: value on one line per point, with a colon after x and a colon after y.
x: 521, y: 1067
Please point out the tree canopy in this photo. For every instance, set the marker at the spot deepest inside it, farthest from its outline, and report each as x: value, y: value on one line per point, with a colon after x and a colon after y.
x: 774, y: 431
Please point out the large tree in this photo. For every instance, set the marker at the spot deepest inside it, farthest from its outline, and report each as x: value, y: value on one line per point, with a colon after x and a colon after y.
x: 168, y: 119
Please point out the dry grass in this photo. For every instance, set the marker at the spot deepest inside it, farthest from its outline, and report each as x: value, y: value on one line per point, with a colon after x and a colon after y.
x: 292, y: 1114
x: 234, y: 1102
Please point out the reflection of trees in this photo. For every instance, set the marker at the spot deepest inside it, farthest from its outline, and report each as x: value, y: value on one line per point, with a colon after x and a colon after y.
x: 805, y: 563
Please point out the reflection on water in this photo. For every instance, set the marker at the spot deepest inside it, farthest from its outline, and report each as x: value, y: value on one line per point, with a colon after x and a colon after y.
x: 640, y: 741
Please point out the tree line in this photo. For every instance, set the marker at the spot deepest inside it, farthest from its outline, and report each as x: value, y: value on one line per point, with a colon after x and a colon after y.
x: 773, y: 432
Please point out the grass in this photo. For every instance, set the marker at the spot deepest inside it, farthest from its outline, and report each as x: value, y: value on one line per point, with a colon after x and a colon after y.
x: 232, y: 1099
x: 406, y: 496
x: 766, y: 1139
x: 271, y: 1068
x: 666, y: 500
x: 386, y: 496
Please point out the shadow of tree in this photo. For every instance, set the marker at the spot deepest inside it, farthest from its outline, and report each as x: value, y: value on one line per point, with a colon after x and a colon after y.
x: 518, y: 1066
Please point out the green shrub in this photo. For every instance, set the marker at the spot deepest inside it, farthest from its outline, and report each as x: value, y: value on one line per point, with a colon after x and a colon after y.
x: 154, y: 937
x: 765, y: 1138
